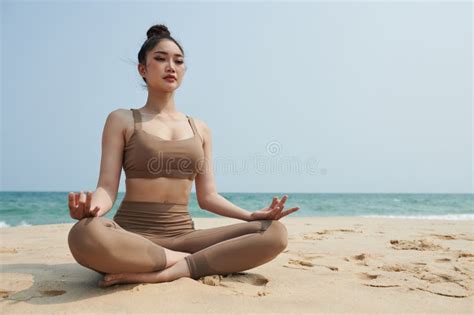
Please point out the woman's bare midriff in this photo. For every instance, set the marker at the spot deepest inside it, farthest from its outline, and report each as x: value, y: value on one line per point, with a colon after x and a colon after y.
x: 162, y: 189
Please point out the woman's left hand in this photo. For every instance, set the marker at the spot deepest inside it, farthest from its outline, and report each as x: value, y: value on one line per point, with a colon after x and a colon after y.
x: 274, y: 211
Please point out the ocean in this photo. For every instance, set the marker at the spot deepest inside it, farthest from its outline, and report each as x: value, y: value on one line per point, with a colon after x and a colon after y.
x: 36, y: 208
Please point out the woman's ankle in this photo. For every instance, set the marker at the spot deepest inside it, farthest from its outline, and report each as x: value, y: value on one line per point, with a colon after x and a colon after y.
x: 172, y: 257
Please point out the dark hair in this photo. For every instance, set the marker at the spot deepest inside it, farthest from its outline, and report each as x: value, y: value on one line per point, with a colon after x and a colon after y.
x: 155, y: 34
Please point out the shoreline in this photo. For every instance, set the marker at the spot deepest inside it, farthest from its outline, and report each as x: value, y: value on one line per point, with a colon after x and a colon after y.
x: 332, y: 264
x: 432, y: 217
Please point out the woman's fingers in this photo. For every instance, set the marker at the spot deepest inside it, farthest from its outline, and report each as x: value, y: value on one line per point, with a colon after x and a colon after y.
x: 274, y: 202
x: 87, y: 204
x: 277, y: 202
x: 94, y: 211
x: 82, y: 199
x: 275, y: 212
x: 289, y: 211
x: 76, y: 199
x: 71, y: 203
x: 79, y: 204
x: 278, y: 207
x: 272, y: 205
x: 282, y: 201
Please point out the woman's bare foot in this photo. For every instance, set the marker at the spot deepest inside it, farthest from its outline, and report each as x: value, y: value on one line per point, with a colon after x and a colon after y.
x: 116, y: 278
x: 172, y: 257
x: 176, y: 271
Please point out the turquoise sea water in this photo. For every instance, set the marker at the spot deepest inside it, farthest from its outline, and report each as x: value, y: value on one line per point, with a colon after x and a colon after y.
x: 34, y: 208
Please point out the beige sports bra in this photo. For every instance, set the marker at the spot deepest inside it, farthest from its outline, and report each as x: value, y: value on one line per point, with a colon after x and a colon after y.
x: 149, y: 156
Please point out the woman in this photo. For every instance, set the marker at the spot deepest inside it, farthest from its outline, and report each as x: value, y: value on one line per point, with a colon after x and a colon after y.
x: 152, y: 236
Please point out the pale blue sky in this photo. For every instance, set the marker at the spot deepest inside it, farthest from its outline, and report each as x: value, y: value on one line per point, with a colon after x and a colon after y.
x: 360, y: 96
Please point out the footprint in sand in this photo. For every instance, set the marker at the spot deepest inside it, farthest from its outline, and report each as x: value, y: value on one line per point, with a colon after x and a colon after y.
x: 6, y: 250
x: 319, y: 235
x: 367, y: 276
x: 445, y: 284
x: 312, y: 237
x: 301, y: 264
x: 240, y: 277
x: 415, y: 245
x: 402, y: 267
x: 5, y: 293
x: 377, y: 281
x: 362, y: 259
x: 231, y: 282
x: 465, y: 255
x: 40, y: 294
x: 448, y: 294
x: 464, y: 271
x: 380, y: 285
x: 454, y: 237
x: 298, y: 264
x: 431, y: 279
x: 364, y: 256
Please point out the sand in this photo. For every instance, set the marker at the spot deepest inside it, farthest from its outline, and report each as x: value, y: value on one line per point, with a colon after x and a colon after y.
x: 331, y: 265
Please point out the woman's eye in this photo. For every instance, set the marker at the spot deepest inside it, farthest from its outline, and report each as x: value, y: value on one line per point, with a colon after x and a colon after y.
x: 177, y: 61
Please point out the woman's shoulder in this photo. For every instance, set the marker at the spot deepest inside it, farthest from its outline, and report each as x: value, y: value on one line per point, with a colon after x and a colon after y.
x: 203, y: 129
x: 121, y: 116
x: 200, y: 124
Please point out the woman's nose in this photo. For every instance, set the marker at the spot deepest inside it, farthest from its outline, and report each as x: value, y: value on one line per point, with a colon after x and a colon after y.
x: 170, y: 66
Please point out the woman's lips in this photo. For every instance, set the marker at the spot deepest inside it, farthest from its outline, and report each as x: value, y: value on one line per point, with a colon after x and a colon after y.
x: 170, y: 79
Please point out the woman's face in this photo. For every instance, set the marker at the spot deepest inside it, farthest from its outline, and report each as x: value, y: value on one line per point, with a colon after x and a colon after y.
x: 163, y: 60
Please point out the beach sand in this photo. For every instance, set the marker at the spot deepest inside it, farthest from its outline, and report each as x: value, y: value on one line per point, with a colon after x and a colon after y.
x: 331, y: 265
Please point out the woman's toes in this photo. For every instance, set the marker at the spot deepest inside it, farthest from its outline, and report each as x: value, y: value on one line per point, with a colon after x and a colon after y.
x: 109, y: 280
x: 111, y: 277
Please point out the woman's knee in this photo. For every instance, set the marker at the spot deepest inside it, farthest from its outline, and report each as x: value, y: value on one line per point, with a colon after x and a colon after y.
x: 85, y: 232
x: 277, y: 234
x: 86, y: 240
x: 83, y: 225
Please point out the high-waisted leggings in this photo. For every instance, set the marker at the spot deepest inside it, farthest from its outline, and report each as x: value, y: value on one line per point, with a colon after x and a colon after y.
x: 135, y: 239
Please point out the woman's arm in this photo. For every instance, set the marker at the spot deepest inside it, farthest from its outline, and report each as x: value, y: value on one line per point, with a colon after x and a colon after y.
x: 111, y: 161
x: 206, y: 191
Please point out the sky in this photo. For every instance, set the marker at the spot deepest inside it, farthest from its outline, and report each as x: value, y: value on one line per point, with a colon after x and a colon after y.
x: 336, y: 97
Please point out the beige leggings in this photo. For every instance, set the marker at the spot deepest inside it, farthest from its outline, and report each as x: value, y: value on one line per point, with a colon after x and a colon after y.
x: 104, y: 246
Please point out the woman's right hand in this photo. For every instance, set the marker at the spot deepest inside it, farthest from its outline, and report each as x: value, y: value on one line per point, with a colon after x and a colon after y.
x: 274, y: 211
x: 80, y: 205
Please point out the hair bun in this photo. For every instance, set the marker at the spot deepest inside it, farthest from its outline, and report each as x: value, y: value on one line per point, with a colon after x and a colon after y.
x: 158, y: 30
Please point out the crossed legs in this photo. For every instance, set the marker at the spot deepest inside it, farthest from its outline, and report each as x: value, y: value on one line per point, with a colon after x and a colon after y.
x: 102, y: 245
